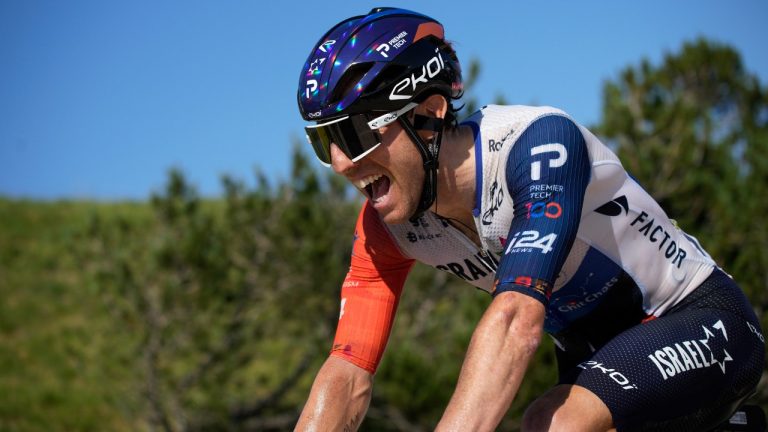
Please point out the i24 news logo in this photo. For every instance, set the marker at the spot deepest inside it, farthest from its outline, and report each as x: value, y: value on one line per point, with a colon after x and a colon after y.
x: 525, y: 241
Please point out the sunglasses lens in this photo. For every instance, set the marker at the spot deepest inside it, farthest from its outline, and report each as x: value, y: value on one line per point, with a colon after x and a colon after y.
x: 352, y: 135
x: 321, y: 143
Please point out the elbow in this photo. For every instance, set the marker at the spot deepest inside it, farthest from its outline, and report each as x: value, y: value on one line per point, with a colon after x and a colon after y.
x: 528, y: 337
x: 531, y: 342
x: 357, y: 381
x: 523, y: 319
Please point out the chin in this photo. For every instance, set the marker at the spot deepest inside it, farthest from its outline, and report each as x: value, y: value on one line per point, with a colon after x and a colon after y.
x: 395, y: 216
x: 395, y: 220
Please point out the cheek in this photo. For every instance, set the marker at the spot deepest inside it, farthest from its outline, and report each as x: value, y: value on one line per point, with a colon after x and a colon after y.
x: 409, y: 156
x: 401, y: 156
x: 410, y: 168
x: 389, y: 135
x: 388, y: 153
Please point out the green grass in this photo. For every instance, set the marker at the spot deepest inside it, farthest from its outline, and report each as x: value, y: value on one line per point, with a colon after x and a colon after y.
x: 60, y: 368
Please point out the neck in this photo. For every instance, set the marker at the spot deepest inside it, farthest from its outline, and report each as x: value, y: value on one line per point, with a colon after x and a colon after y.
x: 456, y: 176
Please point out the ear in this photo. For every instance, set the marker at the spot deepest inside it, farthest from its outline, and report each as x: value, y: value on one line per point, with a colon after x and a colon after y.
x: 434, y: 106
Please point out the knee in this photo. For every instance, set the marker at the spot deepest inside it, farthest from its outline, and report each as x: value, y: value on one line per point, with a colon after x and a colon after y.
x: 567, y: 408
x: 541, y: 414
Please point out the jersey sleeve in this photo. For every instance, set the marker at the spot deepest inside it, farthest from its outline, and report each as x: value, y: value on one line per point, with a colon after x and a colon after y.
x: 547, y: 173
x: 370, y: 293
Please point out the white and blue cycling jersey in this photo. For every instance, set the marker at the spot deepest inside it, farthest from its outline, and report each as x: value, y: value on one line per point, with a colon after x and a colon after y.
x: 558, y: 219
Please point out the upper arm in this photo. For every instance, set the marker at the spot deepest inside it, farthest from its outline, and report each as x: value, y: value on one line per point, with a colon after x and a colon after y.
x: 370, y: 293
x: 547, y: 173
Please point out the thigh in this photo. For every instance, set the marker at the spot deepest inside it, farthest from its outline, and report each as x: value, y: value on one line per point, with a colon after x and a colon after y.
x: 685, y: 371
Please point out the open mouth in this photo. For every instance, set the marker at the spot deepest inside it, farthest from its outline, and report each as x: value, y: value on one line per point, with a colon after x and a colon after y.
x: 376, y: 187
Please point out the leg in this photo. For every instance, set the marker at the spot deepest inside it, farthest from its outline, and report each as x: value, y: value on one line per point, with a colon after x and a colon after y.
x: 685, y: 371
x: 567, y: 408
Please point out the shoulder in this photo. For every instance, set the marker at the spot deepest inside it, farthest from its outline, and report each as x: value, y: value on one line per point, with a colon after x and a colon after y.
x: 546, y: 129
x: 499, y: 124
x: 373, y: 240
x: 550, y: 146
x: 493, y: 116
x: 515, y: 132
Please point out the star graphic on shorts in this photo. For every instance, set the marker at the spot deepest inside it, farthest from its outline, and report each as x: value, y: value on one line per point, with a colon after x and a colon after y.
x: 710, y: 335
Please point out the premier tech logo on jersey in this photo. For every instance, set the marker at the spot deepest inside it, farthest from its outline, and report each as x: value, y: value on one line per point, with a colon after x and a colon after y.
x: 544, y: 191
x: 653, y: 231
x: 689, y: 355
x: 556, y: 154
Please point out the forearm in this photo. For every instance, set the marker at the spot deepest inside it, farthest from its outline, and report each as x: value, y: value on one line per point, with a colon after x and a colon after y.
x: 339, y: 398
x: 501, y: 348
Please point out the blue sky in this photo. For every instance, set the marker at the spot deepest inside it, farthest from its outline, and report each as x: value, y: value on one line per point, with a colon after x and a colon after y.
x: 99, y: 99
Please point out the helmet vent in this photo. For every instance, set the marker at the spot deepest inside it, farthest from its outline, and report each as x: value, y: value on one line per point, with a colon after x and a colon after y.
x: 351, y: 77
x: 386, y: 77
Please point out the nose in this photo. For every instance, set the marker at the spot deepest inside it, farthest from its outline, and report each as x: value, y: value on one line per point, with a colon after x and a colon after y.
x: 339, y: 161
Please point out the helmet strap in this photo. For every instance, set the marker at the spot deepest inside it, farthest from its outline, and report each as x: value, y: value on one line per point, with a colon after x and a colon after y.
x: 429, y: 155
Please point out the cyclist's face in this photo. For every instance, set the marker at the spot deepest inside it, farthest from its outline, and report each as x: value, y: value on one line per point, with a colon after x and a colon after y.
x: 391, y: 176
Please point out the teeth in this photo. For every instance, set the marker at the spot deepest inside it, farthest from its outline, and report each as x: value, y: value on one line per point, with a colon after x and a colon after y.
x: 368, y: 180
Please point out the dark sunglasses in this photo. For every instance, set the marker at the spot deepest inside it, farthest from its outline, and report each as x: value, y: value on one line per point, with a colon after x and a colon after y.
x: 356, y: 135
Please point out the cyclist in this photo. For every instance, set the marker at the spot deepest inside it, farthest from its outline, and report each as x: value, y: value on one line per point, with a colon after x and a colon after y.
x: 531, y: 207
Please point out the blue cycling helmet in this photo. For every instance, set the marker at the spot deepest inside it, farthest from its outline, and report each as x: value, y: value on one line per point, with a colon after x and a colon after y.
x: 377, y: 62
x: 384, y: 62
